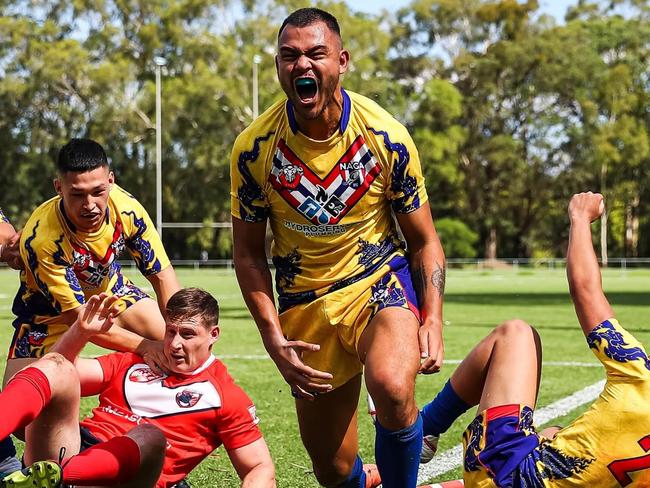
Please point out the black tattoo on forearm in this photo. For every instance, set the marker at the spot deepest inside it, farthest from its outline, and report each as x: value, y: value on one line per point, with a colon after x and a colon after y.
x: 438, y: 278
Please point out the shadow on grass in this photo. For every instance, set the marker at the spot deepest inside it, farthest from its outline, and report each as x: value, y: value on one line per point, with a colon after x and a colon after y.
x: 535, y: 299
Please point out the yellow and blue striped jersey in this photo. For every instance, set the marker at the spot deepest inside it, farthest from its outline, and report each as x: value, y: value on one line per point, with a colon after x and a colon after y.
x: 329, y: 202
x: 65, y: 266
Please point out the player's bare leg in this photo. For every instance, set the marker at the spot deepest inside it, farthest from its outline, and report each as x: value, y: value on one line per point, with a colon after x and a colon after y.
x: 328, y: 427
x: 390, y: 350
x: 143, y: 318
x: 504, y: 368
x: 57, y: 426
x: 151, y: 442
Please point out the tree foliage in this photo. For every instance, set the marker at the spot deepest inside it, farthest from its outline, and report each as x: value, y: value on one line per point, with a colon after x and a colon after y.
x: 511, y: 110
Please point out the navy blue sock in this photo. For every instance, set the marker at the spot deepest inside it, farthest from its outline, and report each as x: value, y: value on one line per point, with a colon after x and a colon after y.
x: 8, y: 461
x: 357, y: 478
x: 398, y: 455
x: 438, y: 415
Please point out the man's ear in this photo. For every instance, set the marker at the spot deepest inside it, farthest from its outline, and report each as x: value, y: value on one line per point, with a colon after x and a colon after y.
x: 214, y: 334
x: 111, y: 178
x: 57, y: 186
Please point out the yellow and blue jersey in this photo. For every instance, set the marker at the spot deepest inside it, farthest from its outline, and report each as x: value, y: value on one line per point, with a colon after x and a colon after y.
x: 329, y: 202
x: 65, y: 266
x: 607, y: 446
x: 3, y: 217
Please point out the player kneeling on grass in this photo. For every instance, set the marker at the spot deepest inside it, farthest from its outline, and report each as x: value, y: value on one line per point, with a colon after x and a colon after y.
x: 605, y: 447
x: 149, y: 429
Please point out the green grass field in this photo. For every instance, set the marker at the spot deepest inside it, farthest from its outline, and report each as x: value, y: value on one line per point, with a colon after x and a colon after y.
x: 475, y: 301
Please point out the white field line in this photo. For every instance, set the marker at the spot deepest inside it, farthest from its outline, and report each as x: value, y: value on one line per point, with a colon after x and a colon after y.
x: 452, y: 458
x: 447, y: 361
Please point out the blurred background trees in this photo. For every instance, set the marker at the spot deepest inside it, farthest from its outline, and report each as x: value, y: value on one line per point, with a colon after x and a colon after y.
x: 512, y: 111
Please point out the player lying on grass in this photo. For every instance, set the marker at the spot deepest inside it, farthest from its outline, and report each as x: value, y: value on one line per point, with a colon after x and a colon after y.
x: 70, y: 246
x: 145, y: 421
x: 606, y: 446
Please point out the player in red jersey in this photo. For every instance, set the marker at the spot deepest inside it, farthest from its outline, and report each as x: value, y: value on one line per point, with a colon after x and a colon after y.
x: 197, y: 407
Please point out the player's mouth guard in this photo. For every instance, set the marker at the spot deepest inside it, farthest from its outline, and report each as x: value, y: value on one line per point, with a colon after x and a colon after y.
x: 306, y: 87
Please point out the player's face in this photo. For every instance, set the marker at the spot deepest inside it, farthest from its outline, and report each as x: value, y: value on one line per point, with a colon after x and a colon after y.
x: 187, y: 344
x: 309, y: 62
x: 85, y: 196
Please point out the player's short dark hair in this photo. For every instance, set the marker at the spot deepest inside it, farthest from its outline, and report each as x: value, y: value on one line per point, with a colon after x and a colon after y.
x: 188, y: 303
x: 308, y: 16
x: 81, y: 155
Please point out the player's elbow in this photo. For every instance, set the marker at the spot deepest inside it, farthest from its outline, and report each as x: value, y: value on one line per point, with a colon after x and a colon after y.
x: 262, y: 475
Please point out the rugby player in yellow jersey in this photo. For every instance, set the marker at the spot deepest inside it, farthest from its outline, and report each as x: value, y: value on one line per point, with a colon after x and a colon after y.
x: 7, y: 238
x: 607, y: 446
x: 70, y: 246
x: 330, y: 169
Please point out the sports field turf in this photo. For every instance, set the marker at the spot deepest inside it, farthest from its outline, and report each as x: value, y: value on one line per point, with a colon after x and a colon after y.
x: 475, y: 301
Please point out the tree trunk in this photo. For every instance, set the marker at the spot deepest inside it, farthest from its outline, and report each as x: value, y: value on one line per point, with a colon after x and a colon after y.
x: 632, y: 227
x: 491, y: 244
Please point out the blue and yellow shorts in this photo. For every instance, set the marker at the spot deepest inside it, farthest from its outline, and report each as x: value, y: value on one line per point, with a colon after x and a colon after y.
x: 35, y: 335
x: 606, y: 446
x: 336, y: 320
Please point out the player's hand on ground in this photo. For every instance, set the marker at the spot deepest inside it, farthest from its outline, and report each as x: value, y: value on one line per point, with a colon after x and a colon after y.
x: 97, y: 315
x: 587, y: 205
x: 432, y: 349
x: 302, y: 379
x: 153, y: 354
x: 10, y: 252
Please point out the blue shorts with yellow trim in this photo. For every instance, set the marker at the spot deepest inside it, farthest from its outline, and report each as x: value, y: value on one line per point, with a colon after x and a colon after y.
x: 336, y: 320
x: 36, y: 335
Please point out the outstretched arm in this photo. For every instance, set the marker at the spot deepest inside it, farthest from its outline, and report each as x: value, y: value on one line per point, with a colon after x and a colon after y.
x: 583, y: 273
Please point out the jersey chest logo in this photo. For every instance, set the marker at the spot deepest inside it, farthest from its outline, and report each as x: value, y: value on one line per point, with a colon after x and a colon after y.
x: 92, y: 269
x: 324, y: 201
x: 147, y: 394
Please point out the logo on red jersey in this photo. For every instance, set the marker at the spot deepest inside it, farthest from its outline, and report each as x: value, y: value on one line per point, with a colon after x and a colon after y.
x: 253, y: 413
x: 143, y: 375
x: 188, y: 398
x: 324, y: 201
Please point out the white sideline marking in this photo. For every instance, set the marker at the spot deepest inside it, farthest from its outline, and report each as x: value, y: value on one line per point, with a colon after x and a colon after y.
x: 452, y: 458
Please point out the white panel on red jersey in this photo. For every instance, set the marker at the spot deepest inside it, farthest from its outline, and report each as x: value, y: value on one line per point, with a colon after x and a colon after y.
x: 147, y: 394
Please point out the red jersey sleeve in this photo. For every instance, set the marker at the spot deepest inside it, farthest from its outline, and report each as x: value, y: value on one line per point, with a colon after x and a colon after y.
x: 112, y: 364
x: 237, y: 423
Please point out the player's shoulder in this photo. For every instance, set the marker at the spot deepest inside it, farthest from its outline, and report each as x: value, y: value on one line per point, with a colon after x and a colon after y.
x: 262, y: 128
x: 375, y: 117
x: 122, y: 198
x: 225, y: 383
x: 44, y: 224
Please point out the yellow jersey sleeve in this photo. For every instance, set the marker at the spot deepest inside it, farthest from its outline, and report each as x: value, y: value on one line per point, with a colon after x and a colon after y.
x: 406, y: 188
x: 140, y: 235
x: 48, y: 256
x: 249, y: 167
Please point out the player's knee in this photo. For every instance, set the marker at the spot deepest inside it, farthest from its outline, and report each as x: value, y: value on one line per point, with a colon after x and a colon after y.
x: 515, y: 328
x: 60, y: 372
x: 390, y: 389
x: 333, y: 474
x: 151, y: 442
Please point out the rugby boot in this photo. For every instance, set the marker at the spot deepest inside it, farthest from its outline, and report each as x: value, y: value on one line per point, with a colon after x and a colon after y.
x: 41, y: 474
x: 429, y: 448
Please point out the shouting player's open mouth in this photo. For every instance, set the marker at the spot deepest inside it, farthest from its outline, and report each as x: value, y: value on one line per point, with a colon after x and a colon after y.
x: 306, y: 89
